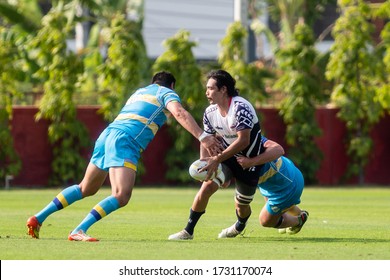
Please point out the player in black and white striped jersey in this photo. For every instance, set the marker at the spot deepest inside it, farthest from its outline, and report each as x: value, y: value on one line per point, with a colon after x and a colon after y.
x: 232, y: 119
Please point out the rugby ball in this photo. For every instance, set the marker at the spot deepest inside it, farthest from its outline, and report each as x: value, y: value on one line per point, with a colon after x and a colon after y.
x: 195, y: 172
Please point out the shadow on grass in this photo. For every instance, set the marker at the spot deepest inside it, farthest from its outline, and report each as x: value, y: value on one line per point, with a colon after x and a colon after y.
x: 325, y: 239
x: 246, y: 239
x: 259, y: 240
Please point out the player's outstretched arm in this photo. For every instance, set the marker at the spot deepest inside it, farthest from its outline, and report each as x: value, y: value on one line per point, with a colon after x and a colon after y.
x: 272, y: 151
x: 185, y: 119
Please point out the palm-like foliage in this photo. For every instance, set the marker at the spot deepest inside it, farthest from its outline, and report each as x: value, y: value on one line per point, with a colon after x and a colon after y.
x: 180, y: 61
x: 353, y: 66
x: 301, y: 82
x: 249, y: 77
x: 55, y: 71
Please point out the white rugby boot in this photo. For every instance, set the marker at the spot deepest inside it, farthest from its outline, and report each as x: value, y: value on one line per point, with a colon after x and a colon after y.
x: 229, y: 232
x: 181, y: 235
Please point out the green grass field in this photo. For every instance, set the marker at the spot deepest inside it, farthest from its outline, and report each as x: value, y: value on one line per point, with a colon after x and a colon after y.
x: 345, y: 223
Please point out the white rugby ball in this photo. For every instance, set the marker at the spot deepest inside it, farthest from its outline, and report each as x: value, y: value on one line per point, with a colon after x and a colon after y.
x: 195, y: 168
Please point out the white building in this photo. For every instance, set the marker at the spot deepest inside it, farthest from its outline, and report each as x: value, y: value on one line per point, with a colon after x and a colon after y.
x: 206, y: 20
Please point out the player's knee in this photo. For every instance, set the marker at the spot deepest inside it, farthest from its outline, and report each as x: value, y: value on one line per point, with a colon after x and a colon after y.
x: 123, y: 198
x: 87, y: 191
x: 208, y: 188
x: 266, y: 222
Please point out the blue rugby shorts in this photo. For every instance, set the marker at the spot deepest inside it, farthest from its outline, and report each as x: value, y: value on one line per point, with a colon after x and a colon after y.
x: 115, y: 148
x: 278, y: 203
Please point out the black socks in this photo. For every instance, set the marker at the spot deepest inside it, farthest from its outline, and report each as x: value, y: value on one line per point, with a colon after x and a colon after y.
x: 241, y: 222
x: 195, y: 216
x: 192, y: 220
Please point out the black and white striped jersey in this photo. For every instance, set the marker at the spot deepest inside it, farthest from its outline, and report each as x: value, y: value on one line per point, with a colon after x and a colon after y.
x: 241, y: 115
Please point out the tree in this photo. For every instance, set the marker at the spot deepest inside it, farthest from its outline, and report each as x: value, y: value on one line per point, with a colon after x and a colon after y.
x: 14, y: 26
x: 384, y: 53
x: 126, y: 65
x: 23, y: 14
x: 10, y: 73
x: 301, y: 81
x: 250, y: 77
x: 108, y: 36
x: 58, y: 73
x: 59, y: 70
x: 180, y: 61
x: 353, y: 67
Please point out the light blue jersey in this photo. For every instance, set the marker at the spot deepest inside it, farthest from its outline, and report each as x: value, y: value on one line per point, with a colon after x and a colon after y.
x: 282, y: 183
x: 122, y: 142
x: 144, y: 113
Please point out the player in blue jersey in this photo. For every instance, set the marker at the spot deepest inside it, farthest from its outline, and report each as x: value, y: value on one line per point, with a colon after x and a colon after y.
x: 281, y: 183
x: 117, y: 151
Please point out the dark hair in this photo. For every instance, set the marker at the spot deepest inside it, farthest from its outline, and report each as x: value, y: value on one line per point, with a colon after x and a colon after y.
x: 223, y: 78
x: 164, y: 79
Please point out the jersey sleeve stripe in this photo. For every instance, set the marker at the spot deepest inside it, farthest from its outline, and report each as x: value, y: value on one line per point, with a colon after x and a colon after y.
x: 151, y: 125
x: 152, y: 99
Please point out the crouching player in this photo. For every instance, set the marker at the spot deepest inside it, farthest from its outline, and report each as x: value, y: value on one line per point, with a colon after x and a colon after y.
x: 281, y: 183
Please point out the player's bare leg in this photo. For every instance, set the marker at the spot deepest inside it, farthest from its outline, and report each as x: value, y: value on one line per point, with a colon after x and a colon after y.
x: 202, y: 198
x: 198, y: 208
x: 286, y: 222
x: 294, y: 210
x: 93, y: 180
x: 122, y: 181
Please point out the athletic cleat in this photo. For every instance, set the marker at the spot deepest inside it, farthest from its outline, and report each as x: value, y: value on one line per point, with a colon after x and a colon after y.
x: 81, y: 236
x: 229, y: 232
x: 282, y: 230
x: 181, y: 235
x: 33, y: 227
x: 302, y: 220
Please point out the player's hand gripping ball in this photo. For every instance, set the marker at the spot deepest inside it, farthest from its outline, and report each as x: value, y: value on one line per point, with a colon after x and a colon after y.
x: 195, y: 172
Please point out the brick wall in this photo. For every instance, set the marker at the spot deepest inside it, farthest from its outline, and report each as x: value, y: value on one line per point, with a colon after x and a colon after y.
x: 31, y: 143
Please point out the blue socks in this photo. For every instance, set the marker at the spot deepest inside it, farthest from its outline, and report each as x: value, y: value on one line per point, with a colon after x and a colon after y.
x: 63, y: 199
x: 102, y: 209
x: 72, y: 194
